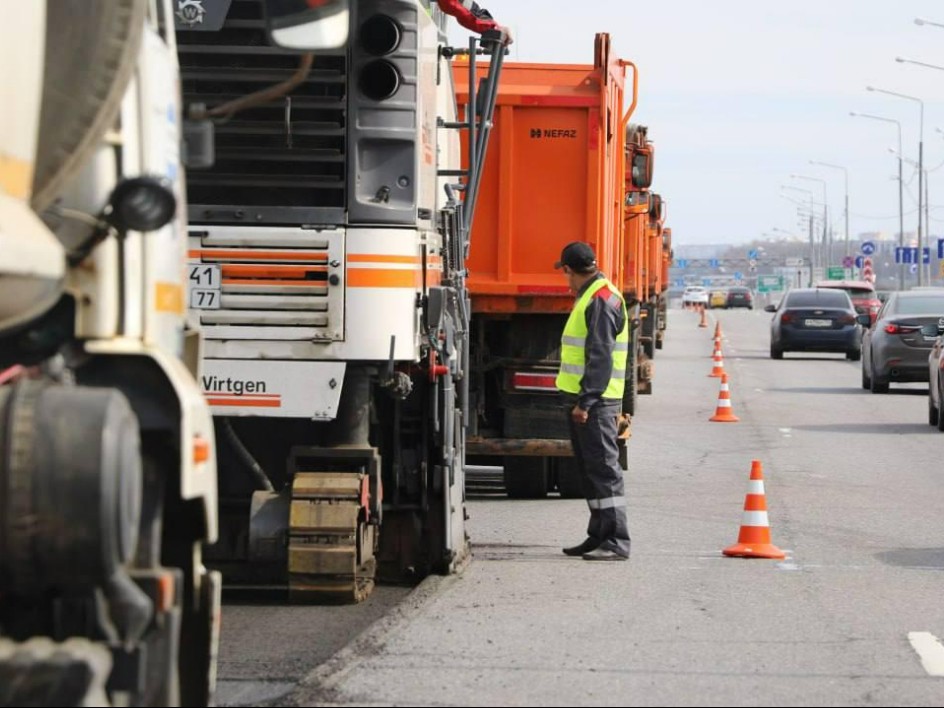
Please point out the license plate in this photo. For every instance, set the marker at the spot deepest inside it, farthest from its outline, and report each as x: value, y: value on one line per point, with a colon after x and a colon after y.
x: 204, y: 283
x: 818, y: 323
x: 205, y: 276
x: 204, y: 299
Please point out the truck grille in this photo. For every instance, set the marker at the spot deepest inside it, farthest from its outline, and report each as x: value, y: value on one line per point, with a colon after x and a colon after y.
x: 275, y: 284
x: 281, y: 162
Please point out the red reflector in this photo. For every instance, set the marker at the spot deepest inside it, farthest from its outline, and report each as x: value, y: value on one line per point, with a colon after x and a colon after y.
x: 524, y: 381
x: 892, y: 328
x: 786, y: 317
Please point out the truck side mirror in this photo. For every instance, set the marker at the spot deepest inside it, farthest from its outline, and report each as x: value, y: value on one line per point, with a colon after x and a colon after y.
x: 642, y: 170
x: 141, y: 204
x: 307, y: 26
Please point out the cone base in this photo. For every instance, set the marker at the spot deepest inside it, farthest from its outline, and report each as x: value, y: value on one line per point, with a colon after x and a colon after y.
x: 724, y: 418
x: 754, y: 550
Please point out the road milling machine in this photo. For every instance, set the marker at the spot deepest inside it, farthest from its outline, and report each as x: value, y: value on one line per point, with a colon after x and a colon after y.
x: 327, y: 248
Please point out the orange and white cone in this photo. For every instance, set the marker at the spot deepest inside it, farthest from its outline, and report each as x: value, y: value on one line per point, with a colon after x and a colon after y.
x: 718, y: 330
x: 723, y: 413
x: 704, y: 322
x: 754, y: 537
x: 717, y: 346
x: 717, y: 370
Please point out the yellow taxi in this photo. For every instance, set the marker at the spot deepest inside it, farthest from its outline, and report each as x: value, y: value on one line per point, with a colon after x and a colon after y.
x: 718, y: 298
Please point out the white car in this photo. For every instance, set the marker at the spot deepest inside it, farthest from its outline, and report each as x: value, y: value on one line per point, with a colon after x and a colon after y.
x: 695, y: 295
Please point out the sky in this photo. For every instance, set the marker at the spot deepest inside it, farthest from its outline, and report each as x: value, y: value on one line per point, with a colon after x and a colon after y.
x: 739, y: 96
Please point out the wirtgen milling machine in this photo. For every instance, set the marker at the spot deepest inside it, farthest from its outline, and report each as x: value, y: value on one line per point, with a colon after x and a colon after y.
x: 327, y: 251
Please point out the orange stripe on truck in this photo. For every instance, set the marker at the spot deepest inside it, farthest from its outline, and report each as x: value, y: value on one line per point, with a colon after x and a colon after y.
x: 383, y: 278
x: 240, y: 401
x: 381, y: 258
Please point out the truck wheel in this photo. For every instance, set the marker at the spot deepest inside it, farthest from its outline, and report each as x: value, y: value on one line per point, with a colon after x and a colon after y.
x: 649, y: 348
x: 526, y: 477
x: 569, y: 483
x: 182, y: 650
x: 940, y: 413
x: 631, y: 391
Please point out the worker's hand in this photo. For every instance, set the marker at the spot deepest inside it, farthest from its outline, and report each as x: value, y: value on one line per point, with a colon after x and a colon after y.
x: 505, y: 35
x: 579, y: 415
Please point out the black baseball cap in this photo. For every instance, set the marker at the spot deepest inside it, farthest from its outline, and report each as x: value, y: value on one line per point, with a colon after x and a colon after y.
x: 577, y: 256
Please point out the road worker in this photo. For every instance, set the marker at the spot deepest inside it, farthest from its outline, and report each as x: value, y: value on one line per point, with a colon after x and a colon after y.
x: 594, y: 348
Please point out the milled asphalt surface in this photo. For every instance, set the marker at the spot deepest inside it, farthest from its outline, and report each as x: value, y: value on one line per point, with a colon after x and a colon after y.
x: 855, y: 489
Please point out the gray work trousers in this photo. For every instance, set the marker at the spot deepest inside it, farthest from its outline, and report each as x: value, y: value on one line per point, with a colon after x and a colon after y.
x: 597, y: 455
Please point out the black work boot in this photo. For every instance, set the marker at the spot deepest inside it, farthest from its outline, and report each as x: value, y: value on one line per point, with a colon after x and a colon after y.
x: 585, y: 547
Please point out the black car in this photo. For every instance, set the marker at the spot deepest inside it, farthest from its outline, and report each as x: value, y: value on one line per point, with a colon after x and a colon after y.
x: 740, y: 297
x: 816, y: 320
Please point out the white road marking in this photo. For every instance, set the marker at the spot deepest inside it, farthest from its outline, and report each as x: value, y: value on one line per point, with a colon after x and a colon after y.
x: 930, y: 650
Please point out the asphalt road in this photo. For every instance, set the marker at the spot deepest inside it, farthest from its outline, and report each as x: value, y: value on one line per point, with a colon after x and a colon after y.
x: 855, y: 490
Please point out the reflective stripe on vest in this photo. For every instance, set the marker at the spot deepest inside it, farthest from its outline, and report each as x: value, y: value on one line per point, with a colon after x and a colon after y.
x: 574, y: 341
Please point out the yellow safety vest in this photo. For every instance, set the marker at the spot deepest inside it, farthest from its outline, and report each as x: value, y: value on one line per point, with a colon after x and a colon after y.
x: 573, y: 346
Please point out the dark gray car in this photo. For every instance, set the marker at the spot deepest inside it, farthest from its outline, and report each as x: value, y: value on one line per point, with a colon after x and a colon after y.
x: 896, y: 348
x: 815, y: 320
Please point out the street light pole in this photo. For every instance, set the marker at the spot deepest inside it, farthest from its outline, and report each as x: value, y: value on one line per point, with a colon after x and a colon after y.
x: 920, y: 171
x: 826, y: 247
x: 901, y: 191
x: 845, y: 173
x: 811, y: 217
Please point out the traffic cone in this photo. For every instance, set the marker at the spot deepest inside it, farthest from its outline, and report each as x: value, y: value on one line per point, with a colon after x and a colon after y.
x: 718, y: 369
x: 723, y: 413
x: 754, y: 537
x: 703, y: 323
x: 718, y: 330
x: 717, y: 344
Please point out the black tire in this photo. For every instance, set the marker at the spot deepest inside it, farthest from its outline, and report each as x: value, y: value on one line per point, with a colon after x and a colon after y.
x: 649, y: 348
x: 775, y: 351
x: 940, y: 416
x: 866, y: 379
x: 878, y: 386
x: 933, y: 413
x: 854, y: 354
x: 631, y: 387
x: 569, y: 482
x: 179, y: 526
x: 526, y: 477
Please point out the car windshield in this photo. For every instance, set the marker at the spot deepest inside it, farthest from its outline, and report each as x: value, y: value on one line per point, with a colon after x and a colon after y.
x: 818, y: 298
x: 923, y: 305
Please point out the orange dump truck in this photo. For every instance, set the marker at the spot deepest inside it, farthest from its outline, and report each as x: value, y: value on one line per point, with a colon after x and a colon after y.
x: 554, y: 174
x: 653, y: 304
x: 638, y: 206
